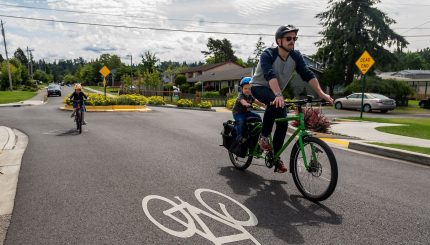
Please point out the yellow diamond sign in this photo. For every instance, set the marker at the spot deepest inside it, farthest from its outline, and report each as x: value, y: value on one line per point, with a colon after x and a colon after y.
x: 104, y: 71
x: 365, y: 62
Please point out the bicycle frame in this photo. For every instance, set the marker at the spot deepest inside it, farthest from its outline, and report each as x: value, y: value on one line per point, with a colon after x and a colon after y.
x: 301, y: 132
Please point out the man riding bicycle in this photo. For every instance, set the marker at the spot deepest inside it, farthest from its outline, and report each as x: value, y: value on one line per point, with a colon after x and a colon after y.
x: 78, y: 99
x: 274, y: 70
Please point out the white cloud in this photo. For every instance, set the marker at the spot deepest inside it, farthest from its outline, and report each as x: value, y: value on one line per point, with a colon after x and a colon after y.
x: 62, y: 40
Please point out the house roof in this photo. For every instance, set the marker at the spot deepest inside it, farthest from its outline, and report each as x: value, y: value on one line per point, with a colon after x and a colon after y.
x: 235, y: 74
x: 205, y: 67
x: 407, y: 75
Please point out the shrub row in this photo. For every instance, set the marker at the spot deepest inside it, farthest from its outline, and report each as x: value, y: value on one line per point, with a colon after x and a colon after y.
x: 189, y: 103
x: 125, y: 99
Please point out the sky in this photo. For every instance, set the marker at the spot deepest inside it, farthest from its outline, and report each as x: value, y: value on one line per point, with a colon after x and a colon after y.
x: 53, y: 41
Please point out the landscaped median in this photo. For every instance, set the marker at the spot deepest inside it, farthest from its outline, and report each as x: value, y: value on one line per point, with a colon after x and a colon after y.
x: 98, y: 102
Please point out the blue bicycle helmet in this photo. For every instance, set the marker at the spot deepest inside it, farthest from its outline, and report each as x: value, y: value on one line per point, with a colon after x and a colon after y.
x: 245, y: 80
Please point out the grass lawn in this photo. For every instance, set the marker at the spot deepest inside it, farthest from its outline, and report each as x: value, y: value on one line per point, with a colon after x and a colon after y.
x: 422, y: 150
x: 412, y: 108
x: 412, y: 127
x: 15, y: 96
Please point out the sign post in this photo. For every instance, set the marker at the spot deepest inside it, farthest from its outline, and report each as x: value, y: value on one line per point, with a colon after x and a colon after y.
x: 105, y: 72
x: 364, y: 63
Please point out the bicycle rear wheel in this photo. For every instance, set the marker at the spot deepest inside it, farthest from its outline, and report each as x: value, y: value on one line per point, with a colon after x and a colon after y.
x: 319, y: 181
x: 240, y: 163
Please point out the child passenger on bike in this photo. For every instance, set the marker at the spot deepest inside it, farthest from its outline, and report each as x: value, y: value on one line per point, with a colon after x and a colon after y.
x: 243, y: 106
x: 78, y: 96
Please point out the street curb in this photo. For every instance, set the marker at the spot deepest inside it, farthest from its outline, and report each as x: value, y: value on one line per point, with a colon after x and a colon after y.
x: 19, y: 105
x: 390, y: 152
x: 123, y: 109
x: 184, y: 108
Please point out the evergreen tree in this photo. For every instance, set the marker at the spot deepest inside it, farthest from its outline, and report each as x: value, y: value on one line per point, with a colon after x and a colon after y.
x: 350, y: 27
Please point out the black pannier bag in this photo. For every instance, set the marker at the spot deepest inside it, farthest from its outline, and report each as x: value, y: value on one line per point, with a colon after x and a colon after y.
x: 228, y: 134
x: 239, y: 147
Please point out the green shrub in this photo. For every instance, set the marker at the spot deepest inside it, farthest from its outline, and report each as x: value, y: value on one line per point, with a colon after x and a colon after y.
x: 210, y: 94
x: 224, y: 91
x: 184, y: 103
x: 130, y: 99
x: 167, y: 87
x: 156, y: 100
x: 205, y: 104
x: 230, y: 103
x: 99, y: 99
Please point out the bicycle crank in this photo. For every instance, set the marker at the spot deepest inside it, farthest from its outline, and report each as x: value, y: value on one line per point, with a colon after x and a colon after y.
x: 268, y: 159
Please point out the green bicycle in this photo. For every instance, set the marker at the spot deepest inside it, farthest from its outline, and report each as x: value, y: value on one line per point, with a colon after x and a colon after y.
x: 312, y: 162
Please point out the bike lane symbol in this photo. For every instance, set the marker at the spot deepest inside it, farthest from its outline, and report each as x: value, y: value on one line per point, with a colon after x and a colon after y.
x: 192, y: 214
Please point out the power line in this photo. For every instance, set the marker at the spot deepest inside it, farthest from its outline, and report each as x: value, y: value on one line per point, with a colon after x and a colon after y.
x: 140, y: 17
x: 164, y: 29
x: 145, y: 28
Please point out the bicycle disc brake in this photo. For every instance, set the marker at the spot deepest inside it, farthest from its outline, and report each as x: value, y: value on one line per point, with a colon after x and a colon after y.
x: 268, y: 159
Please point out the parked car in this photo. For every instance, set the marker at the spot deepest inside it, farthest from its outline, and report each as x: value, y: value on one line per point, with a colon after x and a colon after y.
x: 371, y: 102
x: 54, y: 89
x: 424, y: 103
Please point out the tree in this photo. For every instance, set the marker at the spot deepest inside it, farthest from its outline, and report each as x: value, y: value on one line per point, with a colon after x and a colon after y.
x: 111, y: 61
x: 180, y: 79
x: 219, y: 51
x: 4, y: 77
x: 151, y: 79
x: 350, y: 27
x: 19, y: 55
x: 1, y: 58
x: 70, y: 79
x: 148, y: 61
x: 88, y: 74
x: 41, y: 76
x: 259, y: 48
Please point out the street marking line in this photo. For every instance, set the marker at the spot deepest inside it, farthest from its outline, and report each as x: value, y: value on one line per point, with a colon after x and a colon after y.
x: 343, y: 143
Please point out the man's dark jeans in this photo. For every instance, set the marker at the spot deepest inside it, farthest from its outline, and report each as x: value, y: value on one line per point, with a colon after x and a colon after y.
x: 266, y: 96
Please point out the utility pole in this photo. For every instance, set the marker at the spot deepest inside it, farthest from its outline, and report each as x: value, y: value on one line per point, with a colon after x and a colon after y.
x: 28, y: 61
x: 7, y: 58
x: 31, y: 63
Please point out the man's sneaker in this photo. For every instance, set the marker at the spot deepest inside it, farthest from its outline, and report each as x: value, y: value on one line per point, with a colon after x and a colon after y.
x: 280, y: 167
x: 84, y: 123
x: 264, y: 144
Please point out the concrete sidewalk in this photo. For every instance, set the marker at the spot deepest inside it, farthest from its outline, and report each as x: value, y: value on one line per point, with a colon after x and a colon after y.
x: 12, y: 146
x: 362, y: 133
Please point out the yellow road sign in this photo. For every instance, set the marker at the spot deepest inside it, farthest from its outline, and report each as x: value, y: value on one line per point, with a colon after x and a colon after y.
x: 104, y: 71
x: 365, y: 62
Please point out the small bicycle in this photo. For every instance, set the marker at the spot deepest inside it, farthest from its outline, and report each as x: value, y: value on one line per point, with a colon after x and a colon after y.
x: 312, y: 162
x: 79, y: 115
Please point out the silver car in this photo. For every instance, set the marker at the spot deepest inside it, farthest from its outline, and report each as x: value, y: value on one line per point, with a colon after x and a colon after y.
x: 371, y: 102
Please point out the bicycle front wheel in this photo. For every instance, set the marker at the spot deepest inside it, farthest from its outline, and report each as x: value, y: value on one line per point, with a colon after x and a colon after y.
x: 319, y: 180
x: 240, y: 163
x: 79, y: 121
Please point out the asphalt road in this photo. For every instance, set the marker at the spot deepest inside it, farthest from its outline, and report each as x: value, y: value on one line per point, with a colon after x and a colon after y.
x: 88, y: 188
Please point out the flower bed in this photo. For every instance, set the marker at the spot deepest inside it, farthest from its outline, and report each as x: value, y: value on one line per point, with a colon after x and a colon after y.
x: 101, y: 100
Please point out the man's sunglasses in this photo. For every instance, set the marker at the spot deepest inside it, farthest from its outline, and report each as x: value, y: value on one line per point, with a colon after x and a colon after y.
x: 291, y: 38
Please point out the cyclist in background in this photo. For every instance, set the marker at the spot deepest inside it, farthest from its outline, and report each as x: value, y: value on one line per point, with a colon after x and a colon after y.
x: 78, y: 97
x: 274, y: 70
